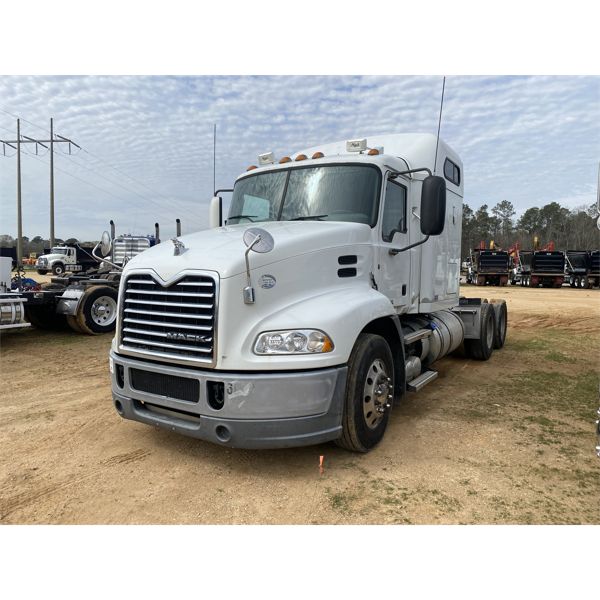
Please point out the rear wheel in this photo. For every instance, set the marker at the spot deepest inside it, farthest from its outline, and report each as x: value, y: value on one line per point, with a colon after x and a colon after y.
x: 481, y: 348
x: 501, y: 322
x: 42, y: 271
x: 97, y: 312
x: 369, y: 394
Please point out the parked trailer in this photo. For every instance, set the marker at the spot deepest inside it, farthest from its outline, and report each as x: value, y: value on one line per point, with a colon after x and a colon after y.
x: 594, y: 273
x: 87, y: 302
x: 521, y: 271
x: 489, y: 267
x: 577, y: 268
x: 324, y: 299
x: 547, y: 269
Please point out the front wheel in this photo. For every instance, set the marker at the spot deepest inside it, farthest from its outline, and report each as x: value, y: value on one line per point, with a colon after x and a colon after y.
x: 58, y: 269
x: 369, y: 394
x: 97, y: 312
x: 42, y: 271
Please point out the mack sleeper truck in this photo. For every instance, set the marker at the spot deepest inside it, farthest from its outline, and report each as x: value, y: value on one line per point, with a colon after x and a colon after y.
x: 330, y: 292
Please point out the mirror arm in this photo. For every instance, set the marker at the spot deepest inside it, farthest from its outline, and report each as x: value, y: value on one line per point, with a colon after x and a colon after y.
x: 99, y: 259
x: 394, y: 251
x: 413, y: 171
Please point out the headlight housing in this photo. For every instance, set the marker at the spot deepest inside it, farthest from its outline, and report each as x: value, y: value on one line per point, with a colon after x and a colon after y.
x: 293, y: 341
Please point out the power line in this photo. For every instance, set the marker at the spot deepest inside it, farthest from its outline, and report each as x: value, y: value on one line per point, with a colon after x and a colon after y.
x: 185, y: 210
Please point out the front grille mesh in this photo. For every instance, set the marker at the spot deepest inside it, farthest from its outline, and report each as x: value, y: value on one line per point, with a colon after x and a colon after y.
x: 178, y: 320
x: 170, y: 386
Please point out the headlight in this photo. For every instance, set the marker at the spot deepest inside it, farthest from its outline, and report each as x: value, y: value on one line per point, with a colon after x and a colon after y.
x: 293, y: 341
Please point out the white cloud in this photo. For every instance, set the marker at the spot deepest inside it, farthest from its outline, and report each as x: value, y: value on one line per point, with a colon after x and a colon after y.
x: 529, y: 140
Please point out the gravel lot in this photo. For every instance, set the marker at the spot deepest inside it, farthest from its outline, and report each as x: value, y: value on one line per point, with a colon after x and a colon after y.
x: 507, y: 441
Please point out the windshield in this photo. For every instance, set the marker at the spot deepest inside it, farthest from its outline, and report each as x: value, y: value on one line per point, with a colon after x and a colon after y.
x: 326, y: 193
x: 58, y: 251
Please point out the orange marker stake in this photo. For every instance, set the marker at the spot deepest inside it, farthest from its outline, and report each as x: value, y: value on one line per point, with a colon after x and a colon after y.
x: 321, y: 468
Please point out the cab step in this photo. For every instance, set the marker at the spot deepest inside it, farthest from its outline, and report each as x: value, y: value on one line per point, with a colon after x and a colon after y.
x: 421, y: 381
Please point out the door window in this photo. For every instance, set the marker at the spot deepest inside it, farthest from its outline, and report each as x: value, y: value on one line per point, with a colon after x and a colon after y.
x: 394, y: 211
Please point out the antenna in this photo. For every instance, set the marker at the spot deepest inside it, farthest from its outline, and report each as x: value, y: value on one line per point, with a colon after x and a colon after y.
x: 214, y: 157
x: 439, y: 125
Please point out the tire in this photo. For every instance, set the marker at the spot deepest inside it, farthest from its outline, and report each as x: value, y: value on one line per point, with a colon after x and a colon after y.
x: 482, y: 347
x: 42, y: 272
x: 58, y: 269
x: 44, y: 317
x: 73, y: 323
x: 501, y: 323
x: 97, y: 312
x: 370, y: 368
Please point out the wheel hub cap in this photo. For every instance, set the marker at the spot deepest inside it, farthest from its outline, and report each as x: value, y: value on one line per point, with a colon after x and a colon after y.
x: 377, y: 393
x: 104, y: 310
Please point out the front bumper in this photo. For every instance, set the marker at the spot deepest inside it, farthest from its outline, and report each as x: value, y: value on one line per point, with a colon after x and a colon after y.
x: 263, y: 410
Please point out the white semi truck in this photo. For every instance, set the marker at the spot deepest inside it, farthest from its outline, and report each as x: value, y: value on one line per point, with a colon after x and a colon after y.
x: 329, y: 293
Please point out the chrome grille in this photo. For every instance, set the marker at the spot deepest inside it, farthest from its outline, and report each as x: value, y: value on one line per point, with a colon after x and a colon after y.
x: 175, y: 321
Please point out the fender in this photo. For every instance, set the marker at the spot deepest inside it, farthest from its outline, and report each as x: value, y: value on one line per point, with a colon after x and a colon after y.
x: 341, y: 313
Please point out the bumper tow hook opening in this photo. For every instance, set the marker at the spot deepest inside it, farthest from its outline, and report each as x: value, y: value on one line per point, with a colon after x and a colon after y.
x: 119, y: 407
x: 223, y: 434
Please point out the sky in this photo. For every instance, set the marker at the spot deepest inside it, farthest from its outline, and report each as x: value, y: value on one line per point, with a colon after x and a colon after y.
x: 147, y: 141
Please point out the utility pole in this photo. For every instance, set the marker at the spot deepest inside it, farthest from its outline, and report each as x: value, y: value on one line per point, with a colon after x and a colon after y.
x: 51, y: 182
x: 23, y: 139
x: 19, y: 216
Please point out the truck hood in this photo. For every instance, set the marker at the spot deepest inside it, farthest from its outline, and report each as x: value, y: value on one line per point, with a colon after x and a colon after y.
x: 52, y: 256
x: 222, y: 249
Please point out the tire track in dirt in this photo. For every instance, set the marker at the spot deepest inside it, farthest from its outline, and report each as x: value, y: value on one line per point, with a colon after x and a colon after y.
x: 24, y: 499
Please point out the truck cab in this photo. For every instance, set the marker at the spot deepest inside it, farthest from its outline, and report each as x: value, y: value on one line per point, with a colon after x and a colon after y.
x: 328, y: 292
x: 58, y: 260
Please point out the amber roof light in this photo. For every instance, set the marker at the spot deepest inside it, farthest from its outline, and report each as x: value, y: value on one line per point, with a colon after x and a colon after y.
x: 373, y: 152
x: 318, y: 155
x: 285, y: 159
x: 251, y: 168
x: 301, y: 157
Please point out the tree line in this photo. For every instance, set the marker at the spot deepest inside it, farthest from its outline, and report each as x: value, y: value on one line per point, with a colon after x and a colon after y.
x: 569, y: 229
x: 36, y: 244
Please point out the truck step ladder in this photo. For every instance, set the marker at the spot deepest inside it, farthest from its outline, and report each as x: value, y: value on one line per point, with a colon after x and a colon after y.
x: 418, y: 383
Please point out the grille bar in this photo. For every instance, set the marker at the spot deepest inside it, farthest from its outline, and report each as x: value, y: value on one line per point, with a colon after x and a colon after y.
x: 164, y: 321
x: 167, y: 324
x: 155, y: 313
x: 165, y: 345
x: 154, y: 303
x: 173, y: 293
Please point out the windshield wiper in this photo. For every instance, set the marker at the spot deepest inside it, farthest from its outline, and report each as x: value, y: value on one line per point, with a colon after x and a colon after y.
x: 249, y: 217
x: 308, y: 217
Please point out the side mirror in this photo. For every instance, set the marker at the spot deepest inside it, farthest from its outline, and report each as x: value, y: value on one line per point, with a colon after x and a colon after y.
x: 105, y: 244
x: 433, y: 205
x: 215, y: 208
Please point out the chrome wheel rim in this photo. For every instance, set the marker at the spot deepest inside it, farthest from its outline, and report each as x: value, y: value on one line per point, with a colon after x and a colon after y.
x: 377, y: 393
x: 104, y: 310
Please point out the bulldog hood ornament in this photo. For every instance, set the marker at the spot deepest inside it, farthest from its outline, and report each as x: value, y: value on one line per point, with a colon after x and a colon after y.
x: 179, y: 247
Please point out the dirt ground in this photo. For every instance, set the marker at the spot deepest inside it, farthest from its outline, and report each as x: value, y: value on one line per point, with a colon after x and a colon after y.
x: 506, y: 441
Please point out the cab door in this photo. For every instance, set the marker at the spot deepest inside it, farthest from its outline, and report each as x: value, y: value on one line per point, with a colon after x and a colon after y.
x: 393, y: 271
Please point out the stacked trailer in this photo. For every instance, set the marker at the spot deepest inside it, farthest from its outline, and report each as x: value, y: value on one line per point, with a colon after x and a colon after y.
x: 547, y: 269
x: 490, y: 267
x: 577, y: 268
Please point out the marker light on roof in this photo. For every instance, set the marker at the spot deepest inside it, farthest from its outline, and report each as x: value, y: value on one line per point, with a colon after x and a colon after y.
x: 251, y: 167
x: 373, y: 152
x: 356, y: 145
x: 268, y: 158
x: 301, y: 157
x: 318, y: 155
x: 285, y: 159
